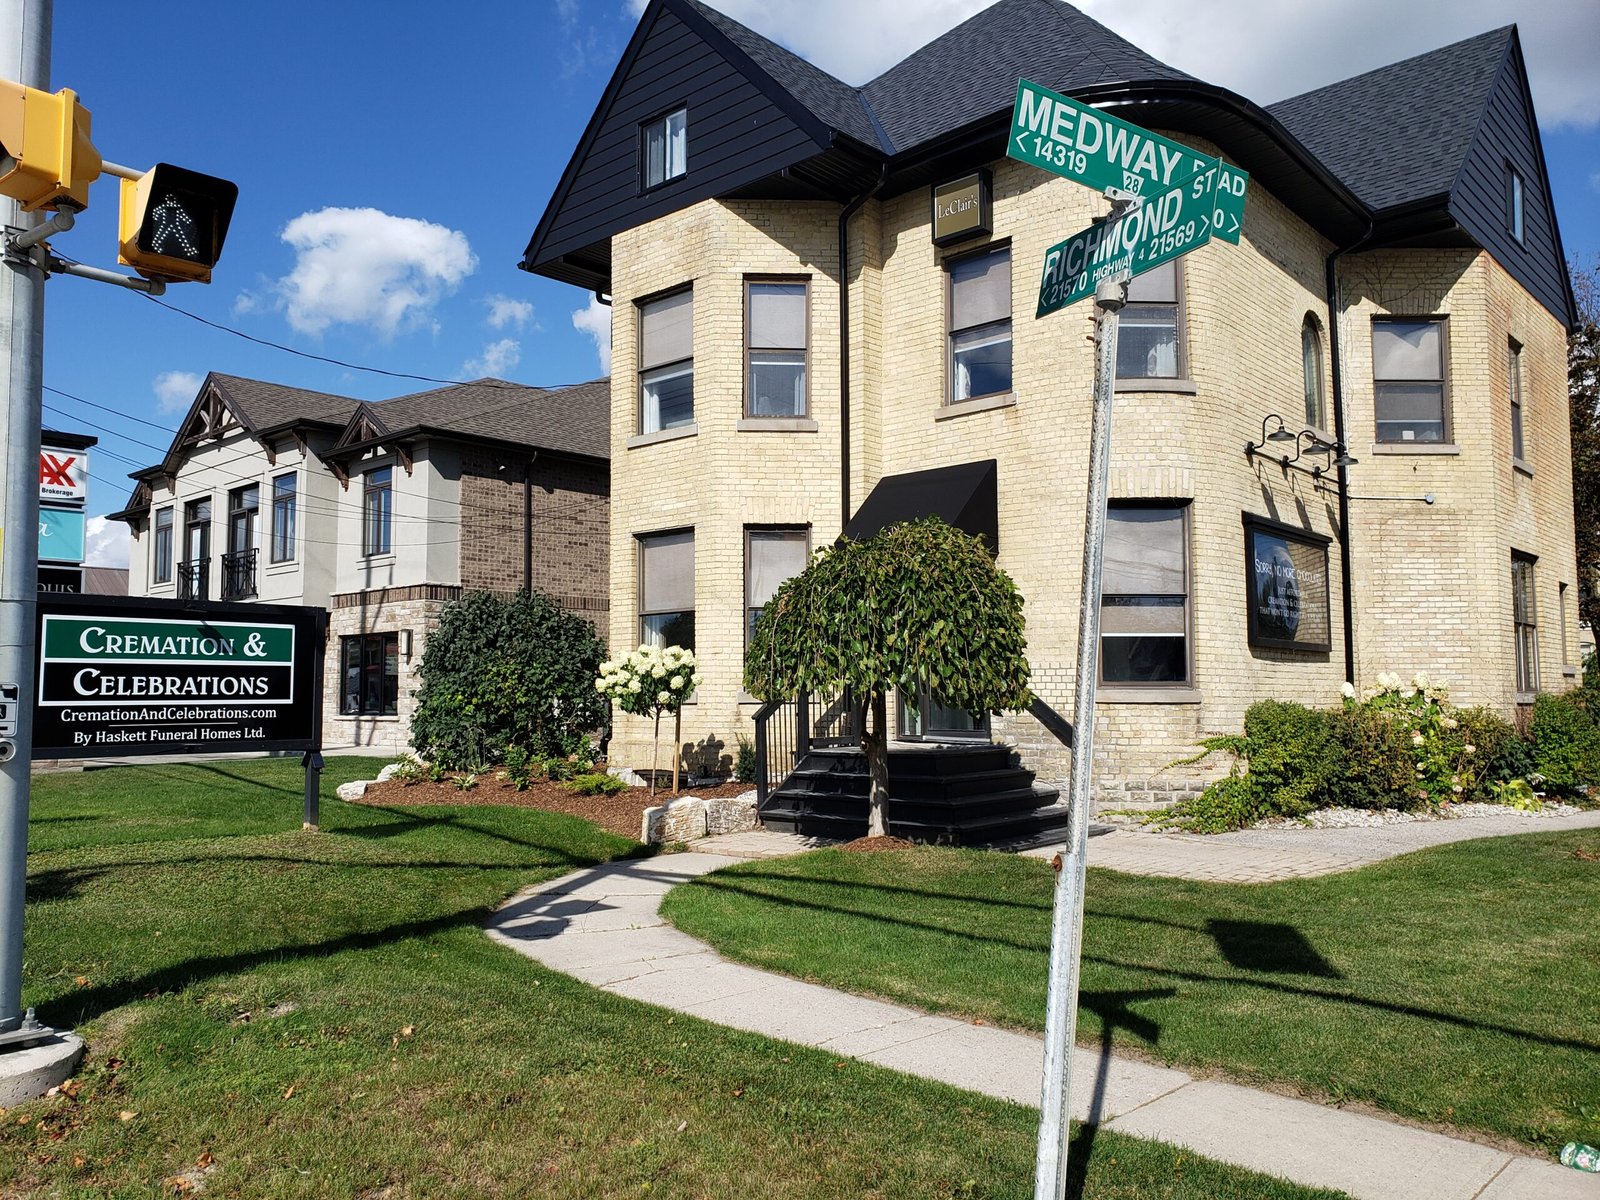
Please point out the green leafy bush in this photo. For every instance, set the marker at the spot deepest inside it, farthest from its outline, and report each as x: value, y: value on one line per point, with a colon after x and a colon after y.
x: 1497, y: 754
x: 744, y: 767
x: 1566, y: 740
x: 502, y: 672
x: 519, y: 768
x: 595, y: 784
x: 1376, y: 769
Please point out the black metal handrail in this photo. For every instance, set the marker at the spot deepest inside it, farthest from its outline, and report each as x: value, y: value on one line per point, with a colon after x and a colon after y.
x: 1054, y: 722
x: 786, y: 730
x: 239, y: 575
x: 193, y: 579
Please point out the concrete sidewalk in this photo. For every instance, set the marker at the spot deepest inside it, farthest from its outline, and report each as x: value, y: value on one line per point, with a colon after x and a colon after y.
x: 1269, y: 855
x: 603, y: 926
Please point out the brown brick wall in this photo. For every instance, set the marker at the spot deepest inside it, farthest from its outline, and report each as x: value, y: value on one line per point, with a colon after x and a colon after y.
x: 571, y: 522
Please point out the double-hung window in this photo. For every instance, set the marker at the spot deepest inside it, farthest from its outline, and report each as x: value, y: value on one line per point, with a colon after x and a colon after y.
x: 1311, y: 372
x: 664, y: 147
x: 1408, y: 371
x: 776, y: 321
x: 666, y: 362
x: 377, y: 508
x: 161, y: 568
x: 666, y: 589
x: 771, y: 557
x: 283, y: 518
x: 980, y: 325
x: 370, y: 685
x: 1519, y: 427
x: 1149, y: 342
x: 1144, y: 596
x: 1525, y: 622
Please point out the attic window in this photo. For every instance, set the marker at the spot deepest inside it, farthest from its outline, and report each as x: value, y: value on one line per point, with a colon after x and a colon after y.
x: 1514, y: 202
x: 664, y: 143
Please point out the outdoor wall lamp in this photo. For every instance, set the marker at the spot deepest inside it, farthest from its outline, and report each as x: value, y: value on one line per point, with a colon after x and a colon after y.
x: 1306, y: 441
x: 405, y: 643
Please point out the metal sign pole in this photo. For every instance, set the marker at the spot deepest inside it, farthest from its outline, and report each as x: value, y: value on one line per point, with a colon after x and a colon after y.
x: 1061, y: 1016
x: 24, y: 57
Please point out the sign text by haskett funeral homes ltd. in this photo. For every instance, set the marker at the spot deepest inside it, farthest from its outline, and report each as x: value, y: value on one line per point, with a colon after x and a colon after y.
x: 1083, y: 144
x: 114, y: 684
x: 1164, y: 225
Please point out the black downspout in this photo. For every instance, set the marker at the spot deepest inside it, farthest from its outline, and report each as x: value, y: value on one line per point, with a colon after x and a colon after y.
x: 1346, y: 588
x: 849, y: 211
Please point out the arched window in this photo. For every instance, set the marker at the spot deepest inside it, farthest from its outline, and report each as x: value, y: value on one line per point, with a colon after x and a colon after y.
x: 1311, y: 369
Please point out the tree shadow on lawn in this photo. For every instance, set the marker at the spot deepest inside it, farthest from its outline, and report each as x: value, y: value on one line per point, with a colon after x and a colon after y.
x: 85, y: 1004
x: 1200, y: 977
x: 411, y: 820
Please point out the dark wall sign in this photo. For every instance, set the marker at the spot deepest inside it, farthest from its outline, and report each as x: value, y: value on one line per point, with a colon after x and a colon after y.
x: 61, y: 580
x: 1286, y: 584
x: 963, y: 208
x: 134, y: 676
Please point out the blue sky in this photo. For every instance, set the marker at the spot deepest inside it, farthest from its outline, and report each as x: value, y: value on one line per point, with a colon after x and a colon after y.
x: 393, y: 159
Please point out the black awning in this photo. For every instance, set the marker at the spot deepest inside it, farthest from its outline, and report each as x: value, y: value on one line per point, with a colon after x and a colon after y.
x: 966, y: 495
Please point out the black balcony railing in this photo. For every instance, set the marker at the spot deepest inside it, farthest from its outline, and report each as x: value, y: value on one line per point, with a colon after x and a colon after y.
x: 239, y: 575
x: 193, y: 577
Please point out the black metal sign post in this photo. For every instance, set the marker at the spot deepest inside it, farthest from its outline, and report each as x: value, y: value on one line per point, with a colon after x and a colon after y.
x: 312, y: 759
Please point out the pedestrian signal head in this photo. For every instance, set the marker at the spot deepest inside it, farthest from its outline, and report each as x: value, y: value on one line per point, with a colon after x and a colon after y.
x: 172, y: 223
x: 46, y: 158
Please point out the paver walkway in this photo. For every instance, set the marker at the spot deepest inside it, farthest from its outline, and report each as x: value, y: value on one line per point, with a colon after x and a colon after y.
x: 604, y: 926
x: 1266, y: 855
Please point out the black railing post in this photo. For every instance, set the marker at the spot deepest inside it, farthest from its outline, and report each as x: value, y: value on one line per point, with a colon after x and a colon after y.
x: 761, y: 755
x: 802, y: 717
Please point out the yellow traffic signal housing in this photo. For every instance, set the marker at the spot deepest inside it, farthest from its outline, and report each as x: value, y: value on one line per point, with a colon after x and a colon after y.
x: 48, y: 161
x: 172, y: 223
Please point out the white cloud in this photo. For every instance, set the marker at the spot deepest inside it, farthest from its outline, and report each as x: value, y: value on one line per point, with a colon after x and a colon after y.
x: 360, y: 266
x: 504, y: 311
x: 1263, y: 49
x: 595, y: 320
x: 175, y: 391
x: 497, y: 359
x: 106, y: 543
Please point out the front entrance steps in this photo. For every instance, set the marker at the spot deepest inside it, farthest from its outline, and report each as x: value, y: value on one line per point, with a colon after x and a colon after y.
x: 957, y: 794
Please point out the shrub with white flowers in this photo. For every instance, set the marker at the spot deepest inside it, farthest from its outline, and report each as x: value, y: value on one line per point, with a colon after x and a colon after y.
x: 649, y: 682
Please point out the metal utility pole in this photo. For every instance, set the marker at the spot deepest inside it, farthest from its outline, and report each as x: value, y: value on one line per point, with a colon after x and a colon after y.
x: 1061, y: 1014
x: 24, y: 58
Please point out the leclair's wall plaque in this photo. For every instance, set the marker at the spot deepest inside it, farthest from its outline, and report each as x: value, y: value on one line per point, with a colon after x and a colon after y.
x: 963, y: 208
x: 1286, y: 586
x: 134, y: 676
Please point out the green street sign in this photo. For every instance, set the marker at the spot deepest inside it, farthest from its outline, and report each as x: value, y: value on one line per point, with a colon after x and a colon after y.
x: 1087, y: 146
x: 1169, y: 223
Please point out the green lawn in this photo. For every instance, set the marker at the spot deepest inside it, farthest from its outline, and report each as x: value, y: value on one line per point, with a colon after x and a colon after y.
x: 1457, y: 985
x: 276, y: 1013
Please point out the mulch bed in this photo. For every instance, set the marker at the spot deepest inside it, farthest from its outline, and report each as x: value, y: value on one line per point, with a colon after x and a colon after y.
x: 622, y: 814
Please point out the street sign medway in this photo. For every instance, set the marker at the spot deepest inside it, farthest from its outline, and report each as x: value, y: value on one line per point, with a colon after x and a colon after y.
x: 1164, y: 225
x: 1087, y: 146
x: 129, y: 677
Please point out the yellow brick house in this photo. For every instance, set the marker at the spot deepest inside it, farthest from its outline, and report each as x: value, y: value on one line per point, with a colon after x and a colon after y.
x: 1340, y: 446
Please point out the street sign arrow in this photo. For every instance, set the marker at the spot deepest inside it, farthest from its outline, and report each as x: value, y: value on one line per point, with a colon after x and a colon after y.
x: 1083, y: 144
x: 1164, y: 225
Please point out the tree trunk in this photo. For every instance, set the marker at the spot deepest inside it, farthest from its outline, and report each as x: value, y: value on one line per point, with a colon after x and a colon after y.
x: 875, y: 744
x: 655, y: 755
x: 677, y: 744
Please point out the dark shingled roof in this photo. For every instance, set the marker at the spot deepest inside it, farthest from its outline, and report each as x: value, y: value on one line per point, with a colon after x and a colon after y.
x: 1376, y: 135
x: 971, y: 72
x: 834, y: 103
x: 570, y: 420
x: 265, y: 405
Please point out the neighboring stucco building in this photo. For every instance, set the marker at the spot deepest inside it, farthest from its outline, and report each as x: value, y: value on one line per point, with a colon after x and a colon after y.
x: 1395, y: 312
x: 381, y: 512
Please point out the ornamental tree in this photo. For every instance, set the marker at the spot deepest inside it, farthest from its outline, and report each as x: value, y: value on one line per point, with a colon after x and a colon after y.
x: 919, y: 605
x: 649, y: 682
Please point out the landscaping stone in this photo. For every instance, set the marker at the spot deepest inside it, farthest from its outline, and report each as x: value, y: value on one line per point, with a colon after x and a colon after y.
x: 687, y: 818
x: 353, y: 790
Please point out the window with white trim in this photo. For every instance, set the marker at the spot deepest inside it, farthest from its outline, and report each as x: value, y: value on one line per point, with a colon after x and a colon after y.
x: 666, y: 589
x: 1144, y: 596
x: 1408, y: 371
x: 979, y: 311
x: 666, y: 362
x: 777, y: 322
x: 664, y: 147
x: 1149, y: 328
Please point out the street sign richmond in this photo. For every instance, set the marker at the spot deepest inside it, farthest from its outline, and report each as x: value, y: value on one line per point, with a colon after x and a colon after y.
x: 127, y: 677
x: 1087, y: 146
x: 1165, y: 225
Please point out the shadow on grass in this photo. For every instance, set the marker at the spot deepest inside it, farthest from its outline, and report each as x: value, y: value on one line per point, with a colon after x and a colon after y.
x: 87, y: 1003
x: 1269, y: 948
x: 1042, y: 947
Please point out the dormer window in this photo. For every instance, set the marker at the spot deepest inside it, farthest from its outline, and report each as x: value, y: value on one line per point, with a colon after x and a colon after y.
x: 665, y: 144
